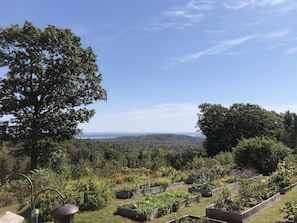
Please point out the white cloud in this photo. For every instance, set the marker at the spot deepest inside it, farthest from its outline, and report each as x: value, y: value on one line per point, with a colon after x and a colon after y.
x: 221, y: 47
x: 162, y: 110
x: 292, y: 50
x: 224, y: 46
x: 241, y: 4
x: 181, y: 17
x: 274, y: 35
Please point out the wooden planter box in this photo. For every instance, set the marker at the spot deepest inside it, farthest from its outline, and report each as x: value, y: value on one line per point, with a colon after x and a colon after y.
x: 194, y: 218
x: 156, y: 213
x: 189, y: 181
x: 288, y: 188
x: 209, y: 193
x: 124, y: 194
x: 232, y: 217
x: 148, y: 191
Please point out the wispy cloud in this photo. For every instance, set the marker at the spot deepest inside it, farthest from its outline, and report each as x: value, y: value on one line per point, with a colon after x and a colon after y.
x: 241, y: 4
x: 162, y: 110
x: 181, y: 17
x: 292, y: 50
x: 226, y: 45
x: 275, y: 35
x: 219, y: 48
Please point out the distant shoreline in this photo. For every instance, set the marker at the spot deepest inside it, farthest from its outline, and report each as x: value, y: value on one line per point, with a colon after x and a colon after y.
x: 110, y: 135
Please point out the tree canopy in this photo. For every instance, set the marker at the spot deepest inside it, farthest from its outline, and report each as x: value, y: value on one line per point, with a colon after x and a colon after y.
x: 50, y: 81
x: 224, y: 127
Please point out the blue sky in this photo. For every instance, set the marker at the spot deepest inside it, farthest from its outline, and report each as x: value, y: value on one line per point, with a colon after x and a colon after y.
x: 161, y: 59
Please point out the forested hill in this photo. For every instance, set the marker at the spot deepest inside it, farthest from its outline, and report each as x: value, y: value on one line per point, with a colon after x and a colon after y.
x: 164, y: 141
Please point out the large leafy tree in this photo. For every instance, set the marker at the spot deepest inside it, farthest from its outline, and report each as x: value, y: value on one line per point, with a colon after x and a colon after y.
x: 224, y: 127
x: 211, y: 122
x: 49, y: 82
x: 290, y: 129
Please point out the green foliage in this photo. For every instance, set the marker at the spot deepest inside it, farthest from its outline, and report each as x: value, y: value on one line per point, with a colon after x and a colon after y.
x: 168, y: 172
x: 162, y: 201
x: 223, y: 127
x: 261, y: 154
x: 283, y: 175
x: 89, y: 193
x: 249, y: 194
x: 290, y: 211
x: 162, y: 181
x: 51, y: 79
x: 7, y: 197
x: 290, y: 129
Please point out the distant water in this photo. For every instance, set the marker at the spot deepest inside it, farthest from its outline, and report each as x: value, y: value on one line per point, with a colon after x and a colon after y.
x: 110, y: 135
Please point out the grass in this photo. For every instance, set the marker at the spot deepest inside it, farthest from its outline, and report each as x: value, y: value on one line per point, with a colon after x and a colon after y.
x: 269, y: 215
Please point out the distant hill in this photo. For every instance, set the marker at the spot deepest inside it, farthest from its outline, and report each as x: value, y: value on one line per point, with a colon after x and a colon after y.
x: 164, y: 141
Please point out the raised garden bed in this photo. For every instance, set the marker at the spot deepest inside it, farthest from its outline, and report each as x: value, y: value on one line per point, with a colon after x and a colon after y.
x: 156, y: 206
x: 148, y: 191
x: 234, y: 217
x: 208, y: 192
x: 211, y: 192
x: 288, y: 188
x: 195, y: 219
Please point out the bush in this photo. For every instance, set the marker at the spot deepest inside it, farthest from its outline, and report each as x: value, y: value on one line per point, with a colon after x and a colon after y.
x: 162, y: 181
x: 261, y: 154
x: 89, y: 193
x: 6, y: 198
x: 290, y: 211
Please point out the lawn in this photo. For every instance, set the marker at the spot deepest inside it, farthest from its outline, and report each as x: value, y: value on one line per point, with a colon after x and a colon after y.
x: 268, y: 215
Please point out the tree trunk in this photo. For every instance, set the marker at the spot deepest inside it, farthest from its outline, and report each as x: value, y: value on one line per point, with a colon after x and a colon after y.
x: 34, y: 156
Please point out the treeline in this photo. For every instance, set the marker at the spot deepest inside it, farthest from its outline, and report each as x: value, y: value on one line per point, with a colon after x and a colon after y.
x: 164, y: 141
x: 224, y: 126
x: 107, y: 157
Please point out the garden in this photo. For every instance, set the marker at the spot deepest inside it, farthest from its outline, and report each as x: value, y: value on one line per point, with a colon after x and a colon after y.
x: 96, y: 194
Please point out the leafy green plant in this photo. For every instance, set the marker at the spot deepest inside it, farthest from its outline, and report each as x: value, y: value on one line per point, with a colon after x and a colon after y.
x: 290, y: 211
x: 283, y: 176
x: 162, y: 181
x: 249, y: 194
x: 162, y: 202
x: 90, y: 193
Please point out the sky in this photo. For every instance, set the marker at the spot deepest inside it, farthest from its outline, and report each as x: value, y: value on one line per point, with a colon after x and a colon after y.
x: 160, y: 59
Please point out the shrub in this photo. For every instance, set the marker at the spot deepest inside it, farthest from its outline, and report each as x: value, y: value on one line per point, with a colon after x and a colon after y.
x: 89, y: 193
x: 6, y: 198
x: 283, y: 176
x: 162, y: 181
x: 261, y: 154
x: 290, y: 211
